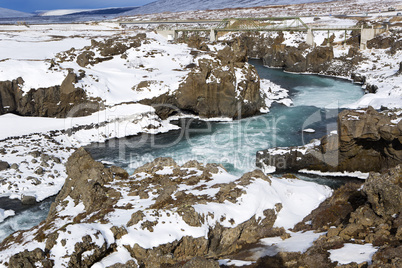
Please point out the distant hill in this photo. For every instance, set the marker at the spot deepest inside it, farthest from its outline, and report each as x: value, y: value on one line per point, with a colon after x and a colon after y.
x: 187, y: 5
x: 87, y: 12
x: 9, y: 13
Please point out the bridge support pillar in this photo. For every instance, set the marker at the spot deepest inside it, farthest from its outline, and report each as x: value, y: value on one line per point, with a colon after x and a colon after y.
x: 310, y: 37
x: 170, y: 35
x: 212, y: 35
x: 367, y: 34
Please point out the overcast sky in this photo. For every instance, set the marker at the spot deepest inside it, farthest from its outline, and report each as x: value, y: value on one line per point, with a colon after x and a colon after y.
x: 35, y: 5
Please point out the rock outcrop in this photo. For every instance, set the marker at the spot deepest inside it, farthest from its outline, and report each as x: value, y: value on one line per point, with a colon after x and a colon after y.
x: 366, y: 140
x: 370, y: 215
x: 226, y: 86
x: 56, y: 101
x: 292, y: 59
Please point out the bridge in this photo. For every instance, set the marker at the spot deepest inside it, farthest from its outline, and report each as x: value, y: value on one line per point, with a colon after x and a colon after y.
x: 269, y: 24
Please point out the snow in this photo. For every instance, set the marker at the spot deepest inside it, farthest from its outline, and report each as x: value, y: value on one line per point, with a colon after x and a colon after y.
x: 32, y: 73
x: 159, y: 63
x: 309, y: 130
x: 121, y: 255
x: 62, y: 12
x: 229, y: 262
x: 9, y: 13
x: 114, y: 122
x: 356, y: 174
x: 298, y: 198
x: 273, y: 93
x: 298, y: 242
x: 353, y: 253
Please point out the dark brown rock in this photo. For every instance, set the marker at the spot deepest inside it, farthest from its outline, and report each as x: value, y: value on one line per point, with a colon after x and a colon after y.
x: 4, y: 165
x: 384, y: 192
x: 201, y: 262
x: 28, y: 200
x: 57, y: 101
x: 212, y: 89
x: 30, y: 259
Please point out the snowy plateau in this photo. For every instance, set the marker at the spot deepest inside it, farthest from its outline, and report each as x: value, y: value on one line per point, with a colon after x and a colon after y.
x: 168, y: 211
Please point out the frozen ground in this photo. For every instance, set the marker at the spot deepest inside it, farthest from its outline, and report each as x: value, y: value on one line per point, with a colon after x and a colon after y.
x: 297, y: 197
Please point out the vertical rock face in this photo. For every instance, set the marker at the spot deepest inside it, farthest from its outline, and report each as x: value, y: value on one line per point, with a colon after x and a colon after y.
x: 224, y: 86
x: 292, y: 59
x: 214, y: 90
x: 367, y: 140
x: 55, y: 101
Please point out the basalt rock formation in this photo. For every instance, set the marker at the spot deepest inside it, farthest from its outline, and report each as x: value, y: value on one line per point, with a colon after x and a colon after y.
x: 368, y: 213
x: 56, y: 101
x: 81, y: 227
x: 226, y: 86
x: 366, y: 140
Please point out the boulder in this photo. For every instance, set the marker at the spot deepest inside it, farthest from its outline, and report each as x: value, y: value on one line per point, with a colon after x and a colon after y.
x: 28, y: 200
x: 292, y: 59
x: 4, y: 165
x: 360, y: 214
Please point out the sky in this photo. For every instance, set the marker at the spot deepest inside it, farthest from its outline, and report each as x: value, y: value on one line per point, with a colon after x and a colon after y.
x: 37, y: 5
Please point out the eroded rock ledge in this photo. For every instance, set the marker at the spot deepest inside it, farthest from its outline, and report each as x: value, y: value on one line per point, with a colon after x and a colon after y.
x: 56, y: 101
x: 366, y: 140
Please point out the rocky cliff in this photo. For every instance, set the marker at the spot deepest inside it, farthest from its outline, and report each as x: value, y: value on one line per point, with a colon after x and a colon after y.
x: 366, y: 140
x: 224, y: 86
x: 56, y: 101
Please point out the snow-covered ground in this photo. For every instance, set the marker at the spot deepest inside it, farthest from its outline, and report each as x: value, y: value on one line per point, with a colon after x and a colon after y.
x: 38, y: 151
x: 297, y: 197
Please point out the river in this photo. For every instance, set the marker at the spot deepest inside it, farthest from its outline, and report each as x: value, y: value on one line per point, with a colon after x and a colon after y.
x: 317, y: 101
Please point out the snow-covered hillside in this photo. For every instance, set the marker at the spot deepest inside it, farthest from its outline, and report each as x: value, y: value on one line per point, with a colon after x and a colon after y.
x: 183, y: 5
x: 102, y: 11
x: 9, y: 13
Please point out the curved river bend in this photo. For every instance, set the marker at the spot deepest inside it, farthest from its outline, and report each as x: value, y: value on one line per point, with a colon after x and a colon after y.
x: 316, y: 99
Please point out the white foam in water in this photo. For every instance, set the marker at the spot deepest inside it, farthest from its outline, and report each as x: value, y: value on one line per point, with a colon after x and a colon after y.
x: 24, y: 220
x: 334, y: 94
